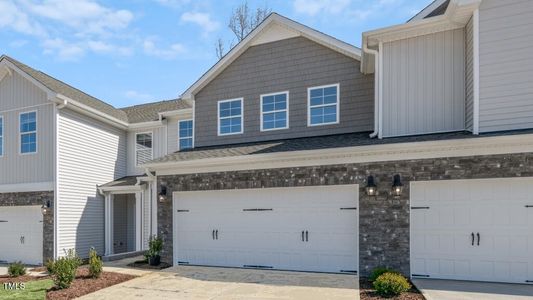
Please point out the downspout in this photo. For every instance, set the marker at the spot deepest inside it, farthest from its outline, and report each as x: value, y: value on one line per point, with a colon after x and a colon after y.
x: 376, y: 88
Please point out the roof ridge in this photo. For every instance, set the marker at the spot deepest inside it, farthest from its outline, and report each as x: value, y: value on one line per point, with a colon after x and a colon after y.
x: 149, y: 103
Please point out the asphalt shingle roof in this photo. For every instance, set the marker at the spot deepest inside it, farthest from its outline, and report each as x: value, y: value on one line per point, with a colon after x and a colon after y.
x: 132, y: 114
x: 312, y: 143
x: 124, y: 181
x: 150, y: 111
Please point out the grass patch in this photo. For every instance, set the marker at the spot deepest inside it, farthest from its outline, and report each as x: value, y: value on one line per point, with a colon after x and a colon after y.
x: 35, y: 290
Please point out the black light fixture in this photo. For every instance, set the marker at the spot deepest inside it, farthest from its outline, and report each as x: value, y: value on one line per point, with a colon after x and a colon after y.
x: 45, y: 208
x: 397, y: 185
x: 371, y: 188
x: 163, y: 194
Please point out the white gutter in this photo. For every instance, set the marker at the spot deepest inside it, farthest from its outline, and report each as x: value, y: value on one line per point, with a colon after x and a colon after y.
x: 84, y: 109
x: 475, y: 66
x: 376, y: 89
x: 157, y: 123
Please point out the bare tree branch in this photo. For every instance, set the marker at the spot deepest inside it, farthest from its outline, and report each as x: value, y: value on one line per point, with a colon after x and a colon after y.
x: 220, y: 48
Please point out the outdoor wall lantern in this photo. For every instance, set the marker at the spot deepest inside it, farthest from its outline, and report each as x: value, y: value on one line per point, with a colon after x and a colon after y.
x: 163, y: 194
x: 397, y: 185
x: 371, y: 188
x: 45, y: 208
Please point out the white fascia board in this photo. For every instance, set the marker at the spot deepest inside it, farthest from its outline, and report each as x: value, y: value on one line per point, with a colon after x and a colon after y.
x: 176, y: 113
x: 27, y: 187
x: 360, y: 154
x: 91, y: 112
x: 50, y: 95
x: 122, y: 189
x: 236, y: 51
x: 146, y: 125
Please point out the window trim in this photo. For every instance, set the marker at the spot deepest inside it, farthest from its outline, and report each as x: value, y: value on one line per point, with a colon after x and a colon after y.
x: 179, y: 137
x: 135, y: 145
x: 219, y: 118
x: 338, y: 104
x: 2, y: 144
x: 286, y: 110
x: 36, y: 133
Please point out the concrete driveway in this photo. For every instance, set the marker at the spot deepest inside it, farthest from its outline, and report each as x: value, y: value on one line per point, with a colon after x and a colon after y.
x: 187, y: 282
x: 434, y: 289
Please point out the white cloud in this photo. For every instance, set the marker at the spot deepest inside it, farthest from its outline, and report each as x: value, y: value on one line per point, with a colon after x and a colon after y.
x: 201, y: 19
x: 104, y: 47
x: 13, y: 18
x: 313, y: 7
x: 171, y: 52
x: 64, y: 50
x: 138, y: 97
x: 173, y: 3
x: 18, y: 43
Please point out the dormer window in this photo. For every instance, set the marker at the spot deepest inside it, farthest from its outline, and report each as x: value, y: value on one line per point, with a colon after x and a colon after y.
x: 185, y: 134
x: 28, y: 132
x: 143, y: 147
x: 230, y: 117
x: 323, y: 105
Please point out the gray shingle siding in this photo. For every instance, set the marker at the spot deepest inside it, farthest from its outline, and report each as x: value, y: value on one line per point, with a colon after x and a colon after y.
x: 289, y: 65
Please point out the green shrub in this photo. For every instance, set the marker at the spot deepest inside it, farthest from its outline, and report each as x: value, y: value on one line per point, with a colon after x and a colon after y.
x: 391, y: 284
x: 378, y: 272
x: 155, y: 245
x: 64, y: 269
x: 49, y: 266
x: 95, y: 264
x: 16, y: 269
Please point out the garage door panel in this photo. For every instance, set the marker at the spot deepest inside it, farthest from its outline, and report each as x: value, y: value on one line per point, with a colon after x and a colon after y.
x: 273, y: 238
x: 494, y: 208
x: 26, y: 222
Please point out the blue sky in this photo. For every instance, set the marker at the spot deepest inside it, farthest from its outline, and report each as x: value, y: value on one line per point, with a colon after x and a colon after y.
x: 128, y: 52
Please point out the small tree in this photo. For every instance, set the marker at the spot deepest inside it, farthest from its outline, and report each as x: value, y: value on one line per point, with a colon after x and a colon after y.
x: 241, y: 22
x: 95, y: 264
x: 64, y: 269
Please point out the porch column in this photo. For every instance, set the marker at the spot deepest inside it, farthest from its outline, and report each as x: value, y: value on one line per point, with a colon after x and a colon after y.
x: 138, y: 221
x: 108, y: 232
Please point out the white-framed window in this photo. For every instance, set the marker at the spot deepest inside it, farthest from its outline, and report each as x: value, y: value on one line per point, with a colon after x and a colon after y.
x: 185, y: 129
x: 28, y: 132
x: 323, y: 105
x: 275, y: 111
x: 143, y: 147
x: 1, y: 136
x: 230, y: 117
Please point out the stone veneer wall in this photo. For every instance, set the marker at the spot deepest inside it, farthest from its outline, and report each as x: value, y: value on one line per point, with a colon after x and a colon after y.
x: 36, y: 198
x: 383, y: 220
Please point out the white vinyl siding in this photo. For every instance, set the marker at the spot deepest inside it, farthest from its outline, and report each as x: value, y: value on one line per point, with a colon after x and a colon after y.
x: 1, y: 136
x: 89, y: 153
x: 19, y: 95
x: 505, y: 65
x: 143, y: 147
x: 28, y: 132
x: 423, y: 84
x: 186, y: 134
x: 230, y: 120
x: 275, y: 111
x: 469, y: 75
x: 323, y: 105
x: 159, y: 147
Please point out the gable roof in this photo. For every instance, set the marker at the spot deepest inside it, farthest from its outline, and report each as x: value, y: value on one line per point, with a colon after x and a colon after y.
x: 435, y: 8
x: 291, y: 29
x: 67, y: 90
x: 150, y: 111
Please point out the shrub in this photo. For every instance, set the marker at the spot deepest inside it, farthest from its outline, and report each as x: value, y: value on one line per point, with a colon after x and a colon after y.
x: 378, y: 272
x: 16, y: 269
x: 155, y: 245
x: 49, y: 266
x: 95, y: 264
x: 391, y: 284
x: 64, y: 269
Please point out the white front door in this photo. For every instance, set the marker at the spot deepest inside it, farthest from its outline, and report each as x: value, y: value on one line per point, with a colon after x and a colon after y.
x: 302, y: 228
x: 21, y: 231
x: 473, y: 229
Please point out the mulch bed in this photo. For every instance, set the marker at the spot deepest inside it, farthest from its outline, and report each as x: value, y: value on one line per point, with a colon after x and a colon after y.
x: 367, y: 292
x: 23, y: 278
x: 143, y: 264
x: 84, y: 284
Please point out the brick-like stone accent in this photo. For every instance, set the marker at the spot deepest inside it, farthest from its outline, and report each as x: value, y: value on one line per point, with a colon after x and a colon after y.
x: 36, y: 198
x: 383, y: 220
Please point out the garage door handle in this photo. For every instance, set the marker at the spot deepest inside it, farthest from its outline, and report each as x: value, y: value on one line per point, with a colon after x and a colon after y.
x: 307, y: 236
x: 478, y: 237
x: 472, y: 239
x: 303, y: 240
x: 213, y: 234
x: 216, y: 234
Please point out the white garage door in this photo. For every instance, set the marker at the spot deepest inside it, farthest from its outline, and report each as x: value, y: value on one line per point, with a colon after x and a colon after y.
x: 473, y: 229
x: 21, y: 230
x: 304, y: 228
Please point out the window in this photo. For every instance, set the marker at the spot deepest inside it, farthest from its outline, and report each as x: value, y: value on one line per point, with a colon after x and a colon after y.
x: 28, y: 132
x: 275, y: 111
x: 323, y: 105
x: 185, y: 134
x: 143, y: 147
x: 1, y: 136
x: 230, y: 117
